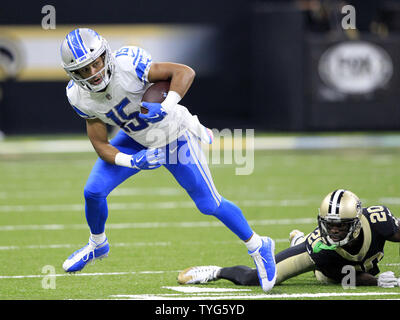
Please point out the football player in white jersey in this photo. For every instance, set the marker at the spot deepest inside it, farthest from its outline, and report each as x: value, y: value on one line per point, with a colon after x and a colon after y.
x: 107, y: 88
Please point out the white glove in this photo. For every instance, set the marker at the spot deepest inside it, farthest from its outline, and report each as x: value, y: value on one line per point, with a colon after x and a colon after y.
x: 387, y: 280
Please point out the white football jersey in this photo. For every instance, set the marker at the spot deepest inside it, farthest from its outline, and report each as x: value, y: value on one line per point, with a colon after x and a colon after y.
x: 119, y: 104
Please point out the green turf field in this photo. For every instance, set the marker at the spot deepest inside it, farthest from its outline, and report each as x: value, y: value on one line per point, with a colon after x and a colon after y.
x: 154, y: 229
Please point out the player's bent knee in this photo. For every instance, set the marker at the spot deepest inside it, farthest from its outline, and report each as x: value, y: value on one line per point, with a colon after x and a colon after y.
x: 207, y: 207
x: 92, y: 194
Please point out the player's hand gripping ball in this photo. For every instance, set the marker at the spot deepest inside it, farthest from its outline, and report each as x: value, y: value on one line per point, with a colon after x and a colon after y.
x: 156, y: 93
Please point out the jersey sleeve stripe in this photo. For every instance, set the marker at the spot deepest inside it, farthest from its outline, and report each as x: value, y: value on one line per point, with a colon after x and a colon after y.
x: 81, y: 113
x: 141, y: 68
x: 137, y: 54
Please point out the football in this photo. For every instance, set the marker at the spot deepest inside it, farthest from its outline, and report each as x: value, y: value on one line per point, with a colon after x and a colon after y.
x: 157, y: 92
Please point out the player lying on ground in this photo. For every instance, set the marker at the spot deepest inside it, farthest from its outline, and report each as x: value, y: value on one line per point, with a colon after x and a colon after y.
x: 347, y: 234
x: 107, y: 88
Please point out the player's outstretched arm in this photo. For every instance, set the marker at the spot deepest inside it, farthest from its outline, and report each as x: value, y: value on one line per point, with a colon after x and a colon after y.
x: 385, y: 280
x: 396, y: 236
x: 366, y: 279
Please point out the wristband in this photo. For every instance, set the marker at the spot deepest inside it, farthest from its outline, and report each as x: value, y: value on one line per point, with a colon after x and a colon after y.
x: 171, y: 100
x: 123, y: 159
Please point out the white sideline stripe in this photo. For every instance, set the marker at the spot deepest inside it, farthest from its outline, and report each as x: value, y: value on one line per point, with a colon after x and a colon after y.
x: 150, y: 205
x: 256, y: 296
x: 388, y: 201
x: 47, y: 146
x: 189, y: 289
x: 260, y: 143
x: 162, y: 191
x: 154, y: 225
x: 121, y: 244
x: 118, y: 192
x: 77, y: 274
x: 58, y: 246
x: 140, y: 244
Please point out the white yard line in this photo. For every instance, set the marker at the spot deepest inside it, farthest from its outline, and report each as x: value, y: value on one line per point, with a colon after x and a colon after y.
x: 140, y: 244
x: 390, y: 201
x: 150, y: 205
x: 203, y: 289
x: 260, y: 143
x: 155, y: 225
x: 160, y: 191
x: 78, y: 274
x: 68, y: 245
x: 123, y: 244
x: 118, y: 192
x: 202, y: 293
x: 247, y: 296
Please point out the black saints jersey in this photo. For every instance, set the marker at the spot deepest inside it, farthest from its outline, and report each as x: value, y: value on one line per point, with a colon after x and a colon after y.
x: 378, y: 225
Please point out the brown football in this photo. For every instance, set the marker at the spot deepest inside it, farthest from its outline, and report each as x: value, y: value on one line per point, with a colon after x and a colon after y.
x: 157, y: 92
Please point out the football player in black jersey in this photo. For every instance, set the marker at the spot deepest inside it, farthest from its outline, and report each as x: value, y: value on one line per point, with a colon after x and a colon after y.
x: 348, y: 239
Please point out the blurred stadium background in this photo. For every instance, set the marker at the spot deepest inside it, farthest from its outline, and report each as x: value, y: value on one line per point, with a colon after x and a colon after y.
x: 270, y: 65
x: 285, y: 68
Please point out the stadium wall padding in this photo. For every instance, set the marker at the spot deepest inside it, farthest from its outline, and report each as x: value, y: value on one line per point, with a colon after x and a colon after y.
x: 265, y: 69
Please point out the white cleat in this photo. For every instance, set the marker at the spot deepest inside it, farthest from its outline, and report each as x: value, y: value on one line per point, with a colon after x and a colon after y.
x: 264, y: 259
x: 202, y: 274
x: 295, y: 237
x: 90, y: 252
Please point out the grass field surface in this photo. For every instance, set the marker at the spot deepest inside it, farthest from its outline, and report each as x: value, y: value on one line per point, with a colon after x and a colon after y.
x: 155, y: 230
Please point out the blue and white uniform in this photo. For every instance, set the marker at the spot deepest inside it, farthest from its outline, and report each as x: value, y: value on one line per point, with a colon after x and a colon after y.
x: 119, y: 104
x: 179, y: 131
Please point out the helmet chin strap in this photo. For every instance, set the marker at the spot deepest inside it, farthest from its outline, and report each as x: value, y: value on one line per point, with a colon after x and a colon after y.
x: 105, y: 78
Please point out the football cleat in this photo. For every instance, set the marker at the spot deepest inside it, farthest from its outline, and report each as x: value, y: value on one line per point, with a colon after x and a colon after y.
x: 202, y: 274
x: 264, y: 259
x: 92, y: 251
x: 295, y: 237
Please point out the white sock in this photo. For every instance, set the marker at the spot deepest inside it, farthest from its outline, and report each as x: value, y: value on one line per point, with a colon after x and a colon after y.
x: 98, y: 238
x: 254, y: 243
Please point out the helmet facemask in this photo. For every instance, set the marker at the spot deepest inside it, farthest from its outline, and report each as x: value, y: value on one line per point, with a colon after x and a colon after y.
x: 339, y: 232
x: 105, y: 74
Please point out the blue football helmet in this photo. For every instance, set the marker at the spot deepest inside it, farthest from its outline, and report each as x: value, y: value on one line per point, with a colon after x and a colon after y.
x: 80, y: 48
